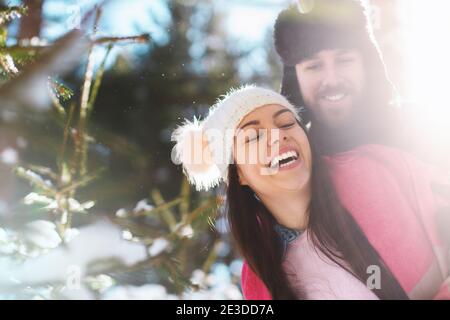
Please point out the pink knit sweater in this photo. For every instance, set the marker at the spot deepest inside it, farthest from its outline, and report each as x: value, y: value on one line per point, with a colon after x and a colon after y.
x: 388, y: 193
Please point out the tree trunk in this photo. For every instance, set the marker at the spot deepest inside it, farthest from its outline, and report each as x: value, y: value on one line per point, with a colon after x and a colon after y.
x: 30, y: 24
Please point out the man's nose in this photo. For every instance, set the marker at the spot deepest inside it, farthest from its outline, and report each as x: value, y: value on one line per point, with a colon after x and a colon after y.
x: 331, y: 76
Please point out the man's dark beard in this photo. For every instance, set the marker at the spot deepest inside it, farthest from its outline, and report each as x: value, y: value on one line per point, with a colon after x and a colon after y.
x: 369, y: 123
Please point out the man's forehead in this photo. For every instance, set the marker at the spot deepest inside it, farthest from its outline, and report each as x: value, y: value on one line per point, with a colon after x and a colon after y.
x: 331, y: 52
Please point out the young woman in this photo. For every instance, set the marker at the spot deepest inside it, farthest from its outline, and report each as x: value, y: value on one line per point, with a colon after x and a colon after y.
x: 285, y: 216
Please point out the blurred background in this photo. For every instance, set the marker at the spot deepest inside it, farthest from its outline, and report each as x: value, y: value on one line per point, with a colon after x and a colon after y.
x: 91, y: 206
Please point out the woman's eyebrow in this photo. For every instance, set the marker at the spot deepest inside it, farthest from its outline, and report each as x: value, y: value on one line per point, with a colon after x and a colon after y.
x: 256, y: 122
x: 250, y: 123
x: 279, y: 112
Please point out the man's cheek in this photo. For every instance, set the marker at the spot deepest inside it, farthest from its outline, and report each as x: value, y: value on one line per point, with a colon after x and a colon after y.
x: 312, y: 103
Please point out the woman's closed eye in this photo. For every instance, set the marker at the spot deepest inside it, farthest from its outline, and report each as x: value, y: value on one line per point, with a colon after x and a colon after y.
x: 250, y: 139
x: 287, y: 125
x: 253, y: 136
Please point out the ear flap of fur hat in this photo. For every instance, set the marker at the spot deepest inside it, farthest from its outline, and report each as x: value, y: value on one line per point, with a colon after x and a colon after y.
x: 193, y: 152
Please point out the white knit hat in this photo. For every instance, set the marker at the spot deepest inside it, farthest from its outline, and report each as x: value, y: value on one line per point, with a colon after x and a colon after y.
x: 204, y: 148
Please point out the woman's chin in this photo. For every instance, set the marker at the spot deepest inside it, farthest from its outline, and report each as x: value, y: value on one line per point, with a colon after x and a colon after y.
x: 293, y: 183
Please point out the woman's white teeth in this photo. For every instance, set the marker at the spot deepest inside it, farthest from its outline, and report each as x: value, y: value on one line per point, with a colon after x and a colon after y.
x: 335, y: 97
x: 276, y: 160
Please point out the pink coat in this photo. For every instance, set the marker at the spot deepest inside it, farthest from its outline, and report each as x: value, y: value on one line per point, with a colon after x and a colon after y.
x: 388, y: 193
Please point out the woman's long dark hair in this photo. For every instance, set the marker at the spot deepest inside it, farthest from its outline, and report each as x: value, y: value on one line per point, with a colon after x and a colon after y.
x: 331, y: 227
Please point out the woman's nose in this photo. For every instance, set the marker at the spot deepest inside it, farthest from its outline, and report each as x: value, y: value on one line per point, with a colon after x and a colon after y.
x: 275, y: 136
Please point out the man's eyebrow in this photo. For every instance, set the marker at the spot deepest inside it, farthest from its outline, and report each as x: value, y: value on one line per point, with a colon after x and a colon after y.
x: 256, y: 122
x: 338, y: 52
x: 310, y: 58
x: 345, y: 51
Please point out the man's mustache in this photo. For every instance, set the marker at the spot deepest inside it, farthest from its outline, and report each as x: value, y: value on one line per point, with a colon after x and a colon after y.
x: 331, y: 91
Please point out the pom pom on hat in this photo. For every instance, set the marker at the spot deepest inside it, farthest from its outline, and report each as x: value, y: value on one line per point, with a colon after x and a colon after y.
x: 193, y: 152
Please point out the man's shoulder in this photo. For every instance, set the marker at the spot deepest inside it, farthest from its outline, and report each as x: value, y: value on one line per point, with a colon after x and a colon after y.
x: 366, y: 150
x: 381, y: 149
x: 372, y: 157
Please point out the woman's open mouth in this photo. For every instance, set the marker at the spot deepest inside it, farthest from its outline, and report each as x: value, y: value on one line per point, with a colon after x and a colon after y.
x: 286, y: 159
